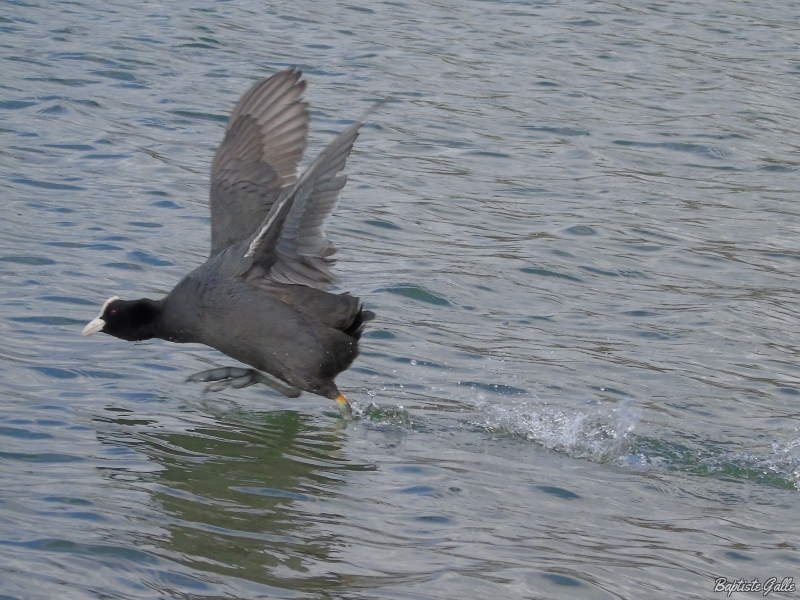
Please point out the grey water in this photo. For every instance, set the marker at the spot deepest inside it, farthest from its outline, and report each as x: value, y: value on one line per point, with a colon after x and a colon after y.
x: 577, y: 223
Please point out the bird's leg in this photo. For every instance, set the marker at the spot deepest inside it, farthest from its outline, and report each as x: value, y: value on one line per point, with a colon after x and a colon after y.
x: 344, y: 407
x: 237, y: 378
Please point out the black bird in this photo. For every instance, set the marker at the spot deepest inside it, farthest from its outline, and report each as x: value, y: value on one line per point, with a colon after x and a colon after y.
x: 260, y: 297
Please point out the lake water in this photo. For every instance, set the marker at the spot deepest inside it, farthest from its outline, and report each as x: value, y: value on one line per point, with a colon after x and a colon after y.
x: 578, y: 226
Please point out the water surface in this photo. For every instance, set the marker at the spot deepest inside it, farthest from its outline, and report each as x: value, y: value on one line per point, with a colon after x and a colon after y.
x: 578, y: 225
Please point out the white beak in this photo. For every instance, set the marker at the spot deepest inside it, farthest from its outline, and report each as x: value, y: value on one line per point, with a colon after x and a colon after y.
x: 94, y: 326
x: 97, y: 323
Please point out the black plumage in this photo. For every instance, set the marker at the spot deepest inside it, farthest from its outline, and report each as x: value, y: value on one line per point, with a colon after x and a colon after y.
x: 260, y: 297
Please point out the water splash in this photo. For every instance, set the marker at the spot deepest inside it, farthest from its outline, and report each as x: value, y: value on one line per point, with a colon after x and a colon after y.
x: 601, y: 435
x: 777, y: 467
x: 384, y: 417
x: 606, y: 435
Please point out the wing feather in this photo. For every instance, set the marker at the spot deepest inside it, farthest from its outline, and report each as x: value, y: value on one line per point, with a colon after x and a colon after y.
x: 257, y: 160
x: 291, y: 245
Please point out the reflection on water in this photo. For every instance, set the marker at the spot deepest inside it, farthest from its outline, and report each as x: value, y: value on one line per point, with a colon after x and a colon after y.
x: 234, y: 494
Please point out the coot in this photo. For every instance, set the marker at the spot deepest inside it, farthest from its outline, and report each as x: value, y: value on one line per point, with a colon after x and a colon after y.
x: 260, y: 297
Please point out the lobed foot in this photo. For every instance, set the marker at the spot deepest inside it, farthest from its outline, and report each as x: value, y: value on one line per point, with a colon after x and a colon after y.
x: 344, y: 407
x: 237, y: 378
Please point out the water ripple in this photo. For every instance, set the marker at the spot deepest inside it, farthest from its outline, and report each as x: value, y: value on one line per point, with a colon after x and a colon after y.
x: 577, y: 229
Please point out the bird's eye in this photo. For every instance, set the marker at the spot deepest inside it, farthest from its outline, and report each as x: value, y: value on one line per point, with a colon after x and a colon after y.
x: 112, y: 313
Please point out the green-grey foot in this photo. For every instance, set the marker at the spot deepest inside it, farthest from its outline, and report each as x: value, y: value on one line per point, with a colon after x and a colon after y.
x: 237, y: 378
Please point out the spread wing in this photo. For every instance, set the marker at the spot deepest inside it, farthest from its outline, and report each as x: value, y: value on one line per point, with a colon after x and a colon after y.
x: 291, y: 245
x: 258, y: 158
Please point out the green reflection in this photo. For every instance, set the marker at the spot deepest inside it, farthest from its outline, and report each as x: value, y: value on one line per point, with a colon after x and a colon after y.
x: 241, y: 496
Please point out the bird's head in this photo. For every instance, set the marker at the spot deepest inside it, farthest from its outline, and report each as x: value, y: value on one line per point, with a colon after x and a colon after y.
x: 130, y: 320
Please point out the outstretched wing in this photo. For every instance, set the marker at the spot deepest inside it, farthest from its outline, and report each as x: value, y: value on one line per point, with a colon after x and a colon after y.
x: 291, y: 246
x: 258, y: 158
